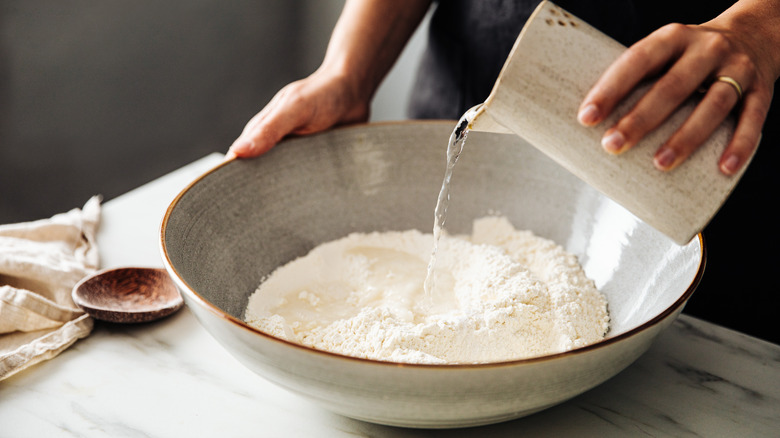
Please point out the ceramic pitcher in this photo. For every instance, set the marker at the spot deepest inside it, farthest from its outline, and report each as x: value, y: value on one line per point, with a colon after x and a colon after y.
x: 555, y: 61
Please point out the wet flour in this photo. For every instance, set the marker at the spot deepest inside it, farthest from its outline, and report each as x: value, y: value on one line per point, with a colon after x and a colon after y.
x: 500, y: 294
x: 497, y: 295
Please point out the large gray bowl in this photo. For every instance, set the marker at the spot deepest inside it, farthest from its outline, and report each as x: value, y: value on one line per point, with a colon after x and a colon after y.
x: 243, y: 219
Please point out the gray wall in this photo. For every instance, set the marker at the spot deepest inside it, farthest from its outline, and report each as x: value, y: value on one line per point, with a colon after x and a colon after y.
x: 99, y: 97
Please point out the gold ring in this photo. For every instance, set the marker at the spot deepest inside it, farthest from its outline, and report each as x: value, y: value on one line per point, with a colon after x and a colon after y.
x: 734, y: 84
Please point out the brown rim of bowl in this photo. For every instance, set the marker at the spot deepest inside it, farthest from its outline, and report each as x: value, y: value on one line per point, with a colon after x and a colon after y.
x: 241, y: 324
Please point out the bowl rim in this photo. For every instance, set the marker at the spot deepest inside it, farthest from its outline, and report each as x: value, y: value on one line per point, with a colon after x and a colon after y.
x: 196, y: 297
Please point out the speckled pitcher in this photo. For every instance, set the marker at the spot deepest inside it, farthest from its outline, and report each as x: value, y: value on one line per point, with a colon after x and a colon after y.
x: 555, y: 61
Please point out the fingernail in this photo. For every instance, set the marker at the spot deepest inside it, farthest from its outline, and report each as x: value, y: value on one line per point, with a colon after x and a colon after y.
x: 730, y: 165
x: 588, y: 115
x: 664, y: 158
x: 613, y: 142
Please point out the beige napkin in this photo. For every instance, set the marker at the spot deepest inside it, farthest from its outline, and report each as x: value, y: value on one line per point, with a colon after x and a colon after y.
x: 40, y: 262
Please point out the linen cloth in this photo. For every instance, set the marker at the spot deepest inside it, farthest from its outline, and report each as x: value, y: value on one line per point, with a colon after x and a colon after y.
x: 40, y: 262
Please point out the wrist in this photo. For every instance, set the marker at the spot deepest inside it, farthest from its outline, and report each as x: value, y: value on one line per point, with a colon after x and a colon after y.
x: 756, y: 25
x: 355, y: 86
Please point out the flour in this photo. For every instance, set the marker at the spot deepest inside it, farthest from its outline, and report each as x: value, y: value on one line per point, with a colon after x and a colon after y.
x: 500, y: 294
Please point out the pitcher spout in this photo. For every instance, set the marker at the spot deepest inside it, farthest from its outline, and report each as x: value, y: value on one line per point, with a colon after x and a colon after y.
x: 482, y: 121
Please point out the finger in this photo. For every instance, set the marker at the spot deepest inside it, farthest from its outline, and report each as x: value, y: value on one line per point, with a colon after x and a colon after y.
x: 280, y: 117
x: 245, y: 145
x: 746, y: 135
x: 665, y: 96
x: 253, y: 141
x: 714, y: 107
x: 644, y: 59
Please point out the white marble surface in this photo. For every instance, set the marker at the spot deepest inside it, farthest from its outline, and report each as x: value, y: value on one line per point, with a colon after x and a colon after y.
x: 171, y: 379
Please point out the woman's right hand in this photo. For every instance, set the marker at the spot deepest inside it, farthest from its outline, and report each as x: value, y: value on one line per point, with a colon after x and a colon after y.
x: 310, y: 105
x: 366, y: 41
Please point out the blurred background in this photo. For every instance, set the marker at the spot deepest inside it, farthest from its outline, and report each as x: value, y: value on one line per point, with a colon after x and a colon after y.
x: 99, y: 97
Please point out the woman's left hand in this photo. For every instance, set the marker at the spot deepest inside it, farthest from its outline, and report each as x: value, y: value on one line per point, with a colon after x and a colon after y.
x: 737, y: 67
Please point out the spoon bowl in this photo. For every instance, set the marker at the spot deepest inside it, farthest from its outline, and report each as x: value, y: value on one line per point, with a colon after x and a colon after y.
x: 128, y: 295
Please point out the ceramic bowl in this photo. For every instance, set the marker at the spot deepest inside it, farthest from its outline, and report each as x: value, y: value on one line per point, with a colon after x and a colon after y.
x: 244, y: 218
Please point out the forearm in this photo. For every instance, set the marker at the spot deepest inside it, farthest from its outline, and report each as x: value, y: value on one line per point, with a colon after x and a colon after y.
x: 368, y: 38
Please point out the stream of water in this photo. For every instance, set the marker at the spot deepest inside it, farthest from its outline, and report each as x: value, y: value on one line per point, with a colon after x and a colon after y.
x: 454, y: 149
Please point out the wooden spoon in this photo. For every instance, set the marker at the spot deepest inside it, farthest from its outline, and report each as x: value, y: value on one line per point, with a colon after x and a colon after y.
x: 128, y: 295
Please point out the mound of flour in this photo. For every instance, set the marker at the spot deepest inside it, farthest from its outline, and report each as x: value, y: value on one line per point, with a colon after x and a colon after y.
x: 500, y: 294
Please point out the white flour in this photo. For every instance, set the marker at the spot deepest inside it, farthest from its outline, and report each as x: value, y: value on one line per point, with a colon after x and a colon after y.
x: 500, y: 294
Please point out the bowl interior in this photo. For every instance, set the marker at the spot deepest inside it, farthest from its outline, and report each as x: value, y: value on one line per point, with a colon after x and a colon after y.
x: 242, y: 220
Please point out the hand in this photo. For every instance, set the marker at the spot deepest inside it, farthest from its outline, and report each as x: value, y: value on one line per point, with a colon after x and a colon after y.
x: 366, y: 41
x: 688, y: 58
x: 310, y: 105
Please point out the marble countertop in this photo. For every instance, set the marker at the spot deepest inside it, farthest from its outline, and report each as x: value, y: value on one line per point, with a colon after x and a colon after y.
x: 171, y: 379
